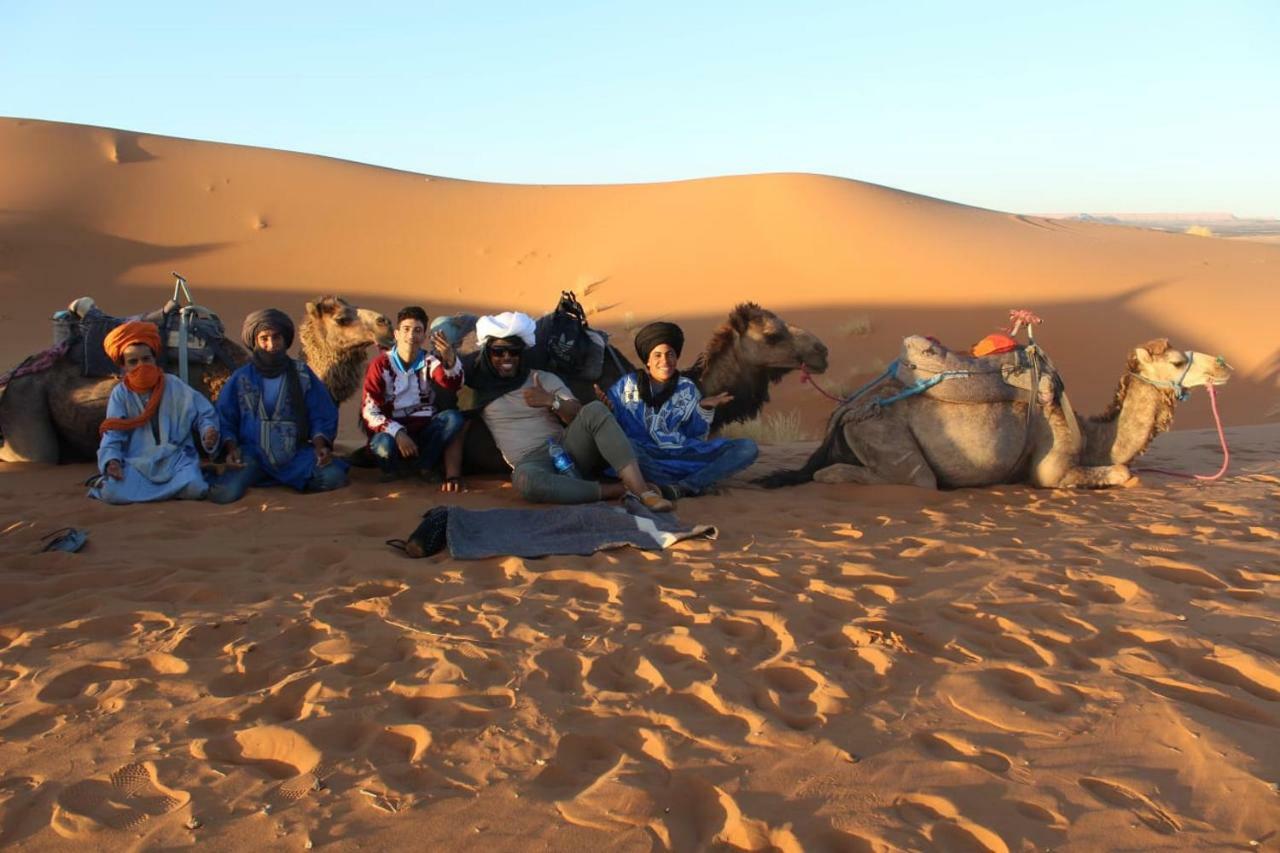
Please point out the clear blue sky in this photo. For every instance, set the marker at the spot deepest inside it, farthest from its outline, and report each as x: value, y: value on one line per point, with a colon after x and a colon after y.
x: 1030, y: 107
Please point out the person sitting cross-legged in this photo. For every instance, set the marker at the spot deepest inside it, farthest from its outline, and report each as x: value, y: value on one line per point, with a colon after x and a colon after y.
x: 148, y: 448
x: 668, y: 420
x: 278, y: 419
x: 399, y: 412
x: 531, y: 411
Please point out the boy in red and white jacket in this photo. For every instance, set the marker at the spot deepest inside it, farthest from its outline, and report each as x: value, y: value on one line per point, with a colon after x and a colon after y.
x: 399, y: 410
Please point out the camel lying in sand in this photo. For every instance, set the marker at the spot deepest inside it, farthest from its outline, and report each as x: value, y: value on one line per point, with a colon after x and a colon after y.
x: 922, y: 441
x: 753, y: 349
x: 54, y: 415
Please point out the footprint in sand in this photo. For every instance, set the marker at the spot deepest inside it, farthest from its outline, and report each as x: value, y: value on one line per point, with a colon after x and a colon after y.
x: 801, y: 697
x: 1116, y: 794
x: 445, y: 706
x: 580, y: 761
x: 1179, y: 572
x: 952, y: 748
x: 279, y: 752
x: 1104, y: 589
x: 82, y: 682
x: 944, y: 826
x: 1030, y: 687
x: 1041, y: 813
x: 128, y: 798
x: 559, y: 669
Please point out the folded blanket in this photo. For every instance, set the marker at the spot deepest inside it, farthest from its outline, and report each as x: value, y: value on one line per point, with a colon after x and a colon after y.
x: 473, y: 534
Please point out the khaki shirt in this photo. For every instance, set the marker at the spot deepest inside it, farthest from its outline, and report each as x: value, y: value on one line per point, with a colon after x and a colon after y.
x: 518, y: 428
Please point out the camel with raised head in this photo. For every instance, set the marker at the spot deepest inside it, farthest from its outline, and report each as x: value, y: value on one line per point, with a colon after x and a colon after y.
x: 53, y: 416
x: 751, y: 350
x: 931, y: 443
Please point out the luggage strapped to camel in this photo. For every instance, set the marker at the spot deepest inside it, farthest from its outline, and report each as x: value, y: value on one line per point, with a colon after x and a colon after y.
x: 188, y: 332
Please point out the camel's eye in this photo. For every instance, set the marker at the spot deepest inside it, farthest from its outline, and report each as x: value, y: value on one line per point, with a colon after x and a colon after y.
x: 773, y: 336
x: 344, y: 320
x: 1177, y: 360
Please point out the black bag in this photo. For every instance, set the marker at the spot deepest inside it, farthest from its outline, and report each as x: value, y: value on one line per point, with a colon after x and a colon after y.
x: 567, y: 344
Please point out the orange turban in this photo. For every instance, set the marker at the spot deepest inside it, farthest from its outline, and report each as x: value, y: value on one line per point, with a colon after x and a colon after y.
x: 127, y: 334
x: 143, y: 378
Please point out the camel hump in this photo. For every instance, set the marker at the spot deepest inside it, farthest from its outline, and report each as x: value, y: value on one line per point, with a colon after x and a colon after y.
x: 958, y: 377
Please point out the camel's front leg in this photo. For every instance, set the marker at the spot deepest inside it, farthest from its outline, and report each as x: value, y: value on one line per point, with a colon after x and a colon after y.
x: 889, y: 452
x: 1096, y: 477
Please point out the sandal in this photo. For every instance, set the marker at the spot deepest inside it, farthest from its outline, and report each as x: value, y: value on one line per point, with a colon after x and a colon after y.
x: 652, y: 501
x: 69, y: 539
x: 429, y: 537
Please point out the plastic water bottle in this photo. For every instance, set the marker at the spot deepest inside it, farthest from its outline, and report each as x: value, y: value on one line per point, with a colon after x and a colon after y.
x: 561, y: 458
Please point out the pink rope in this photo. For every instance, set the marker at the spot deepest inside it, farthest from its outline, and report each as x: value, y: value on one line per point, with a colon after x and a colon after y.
x: 806, y: 376
x: 1222, y: 438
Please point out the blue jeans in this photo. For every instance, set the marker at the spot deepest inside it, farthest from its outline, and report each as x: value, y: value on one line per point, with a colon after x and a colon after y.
x: 431, y: 438
x: 233, y: 484
x: 737, y: 454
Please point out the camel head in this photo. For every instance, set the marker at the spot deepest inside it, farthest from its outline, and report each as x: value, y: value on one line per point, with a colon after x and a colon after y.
x: 763, y: 339
x: 342, y: 327
x: 1161, y: 365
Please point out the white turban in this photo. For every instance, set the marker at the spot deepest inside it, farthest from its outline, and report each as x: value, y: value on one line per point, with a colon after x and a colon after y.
x: 508, y: 324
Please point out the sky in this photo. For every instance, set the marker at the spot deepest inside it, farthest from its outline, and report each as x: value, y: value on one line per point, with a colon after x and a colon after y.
x: 1120, y: 106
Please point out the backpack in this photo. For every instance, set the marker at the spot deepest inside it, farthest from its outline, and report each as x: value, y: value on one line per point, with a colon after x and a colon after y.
x: 567, y: 343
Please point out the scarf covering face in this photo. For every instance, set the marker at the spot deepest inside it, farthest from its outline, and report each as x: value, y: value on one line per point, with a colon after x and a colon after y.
x: 273, y: 364
x: 484, y: 385
x: 654, y: 334
x: 142, y: 379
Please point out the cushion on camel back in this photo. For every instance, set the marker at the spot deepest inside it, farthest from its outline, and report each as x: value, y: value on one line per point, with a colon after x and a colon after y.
x: 997, y: 378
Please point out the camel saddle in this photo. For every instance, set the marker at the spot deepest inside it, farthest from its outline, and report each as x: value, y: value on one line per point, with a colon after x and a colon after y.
x: 206, y: 337
x: 958, y: 377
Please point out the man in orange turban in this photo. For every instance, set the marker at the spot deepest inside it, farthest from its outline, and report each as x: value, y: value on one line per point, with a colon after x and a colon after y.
x: 148, y: 450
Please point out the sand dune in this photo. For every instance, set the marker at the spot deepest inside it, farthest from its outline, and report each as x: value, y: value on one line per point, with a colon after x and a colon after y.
x: 845, y: 668
x: 112, y: 212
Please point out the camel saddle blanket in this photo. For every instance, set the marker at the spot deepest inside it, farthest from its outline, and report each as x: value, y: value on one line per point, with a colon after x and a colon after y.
x: 997, y: 378
x: 37, y: 363
x: 206, y: 338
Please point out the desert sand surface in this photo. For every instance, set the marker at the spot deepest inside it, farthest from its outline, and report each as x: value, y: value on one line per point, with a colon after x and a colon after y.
x: 844, y: 668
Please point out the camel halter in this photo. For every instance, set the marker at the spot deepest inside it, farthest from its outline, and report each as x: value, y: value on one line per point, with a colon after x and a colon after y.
x: 1179, y: 390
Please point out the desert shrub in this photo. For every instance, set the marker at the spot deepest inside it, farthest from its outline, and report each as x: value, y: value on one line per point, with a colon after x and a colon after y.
x: 771, y: 428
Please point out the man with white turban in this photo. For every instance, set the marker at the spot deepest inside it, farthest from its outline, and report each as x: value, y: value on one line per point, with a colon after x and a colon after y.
x: 534, y: 417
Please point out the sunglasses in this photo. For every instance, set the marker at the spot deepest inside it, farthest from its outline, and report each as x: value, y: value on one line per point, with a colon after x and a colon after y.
x: 514, y: 352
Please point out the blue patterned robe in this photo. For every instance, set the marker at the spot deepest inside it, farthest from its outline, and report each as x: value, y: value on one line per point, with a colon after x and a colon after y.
x: 673, y: 439
x: 155, y: 471
x: 272, y: 438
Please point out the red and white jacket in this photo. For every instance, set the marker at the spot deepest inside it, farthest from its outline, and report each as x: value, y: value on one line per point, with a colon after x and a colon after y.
x: 395, y: 400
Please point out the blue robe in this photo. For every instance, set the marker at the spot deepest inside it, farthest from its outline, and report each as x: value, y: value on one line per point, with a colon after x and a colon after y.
x: 271, y: 438
x: 155, y: 471
x: 673, y: 439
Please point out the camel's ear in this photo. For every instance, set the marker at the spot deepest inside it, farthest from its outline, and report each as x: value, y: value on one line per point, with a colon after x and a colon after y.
x: 1157, y: 346
x: 740, y: 319
x: 312, y: 310
x: 1139, y: 358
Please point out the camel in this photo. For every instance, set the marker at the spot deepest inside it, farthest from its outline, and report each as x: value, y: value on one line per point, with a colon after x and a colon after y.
x: 753, y: 349
x: 53, y: 415
x: 931, y: 443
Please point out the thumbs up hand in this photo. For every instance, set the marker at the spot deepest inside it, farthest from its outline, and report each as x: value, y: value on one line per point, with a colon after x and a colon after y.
x: 537, y: 397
